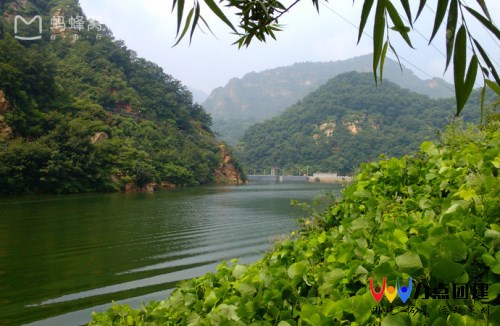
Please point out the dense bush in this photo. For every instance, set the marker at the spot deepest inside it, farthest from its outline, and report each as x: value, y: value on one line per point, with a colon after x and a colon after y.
x: 433, y: 216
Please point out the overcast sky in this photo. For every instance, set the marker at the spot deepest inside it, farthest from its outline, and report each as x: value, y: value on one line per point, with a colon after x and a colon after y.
x: 148, y: 27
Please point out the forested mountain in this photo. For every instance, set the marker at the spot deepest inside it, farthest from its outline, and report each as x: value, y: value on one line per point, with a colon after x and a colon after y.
x: 81, y: 112
x: 259, y: 96
x: 347, y: 121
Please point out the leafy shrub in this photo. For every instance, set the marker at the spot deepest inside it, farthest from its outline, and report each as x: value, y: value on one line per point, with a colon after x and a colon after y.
x: 433, y: 216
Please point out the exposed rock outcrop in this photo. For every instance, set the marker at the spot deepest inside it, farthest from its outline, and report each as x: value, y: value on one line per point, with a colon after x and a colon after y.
x: 132, y: 187
x: 4, y: 104
x: 5, y: 130
x: 98, y: 137
x: 227, y: 172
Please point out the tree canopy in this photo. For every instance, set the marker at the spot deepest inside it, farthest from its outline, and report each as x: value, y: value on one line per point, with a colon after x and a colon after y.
x: 260, y: 19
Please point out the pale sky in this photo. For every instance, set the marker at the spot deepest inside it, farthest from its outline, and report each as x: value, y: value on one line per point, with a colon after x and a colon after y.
x: 148, y: 27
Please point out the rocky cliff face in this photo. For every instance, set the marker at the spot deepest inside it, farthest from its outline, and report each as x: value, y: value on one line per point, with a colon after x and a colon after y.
x: 228, y: 171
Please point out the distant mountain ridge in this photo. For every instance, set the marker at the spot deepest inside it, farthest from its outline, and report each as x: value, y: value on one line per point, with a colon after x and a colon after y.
x: 347, y: 121
x: 259, y: 96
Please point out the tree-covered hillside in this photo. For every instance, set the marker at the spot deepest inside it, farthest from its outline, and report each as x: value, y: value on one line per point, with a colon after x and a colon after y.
x: 259, y: 96
x: 347, y: 121
x: 81, y: 112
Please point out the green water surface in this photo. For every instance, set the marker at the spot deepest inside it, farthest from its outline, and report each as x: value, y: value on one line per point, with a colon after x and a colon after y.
x: 62, y: 257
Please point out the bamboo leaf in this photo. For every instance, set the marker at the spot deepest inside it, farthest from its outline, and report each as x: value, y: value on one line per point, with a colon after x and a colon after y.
x: 488, y: 24
x: 487, y: 61
x: 406, y: 7
x: 459, y: 62
x: 442, y: 5
x: 378, y: 35
x: 186, y: 26
x: 420, y: 8
x: 367, y: 7
x: 397, y: 57
x: 382, y: 60
x: 195, y: 21
x: 483, y: 94
x: 216, y: 10
x: 451, y: 27
x: 396, y: 19
x: 493, y: 86
x: 206, y: 24
x: 470, y: 79
x: 180, y: 13
x: 484, y: 8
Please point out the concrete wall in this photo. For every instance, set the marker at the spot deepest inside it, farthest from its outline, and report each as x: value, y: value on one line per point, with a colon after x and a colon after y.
x: 275, y: 178
x: 267, y: 178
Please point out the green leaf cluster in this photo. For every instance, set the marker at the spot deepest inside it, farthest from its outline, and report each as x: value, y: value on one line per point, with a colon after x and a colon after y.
x: 433, y: 216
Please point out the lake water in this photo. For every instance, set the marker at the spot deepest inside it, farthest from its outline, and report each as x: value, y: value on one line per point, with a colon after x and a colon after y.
x: 62, y: 257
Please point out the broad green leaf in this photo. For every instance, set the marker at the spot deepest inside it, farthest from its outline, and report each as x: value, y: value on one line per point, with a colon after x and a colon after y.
x: 297, y: 270
x: 446, y: 270
x: 459, y: 62
x: 451, y: 27
x: 409, y: 263
x: 456, y: 320
x: 239, y: 271
x: 493, y: 292
x: 454, y: 249
x: 322, y: 237
x: 396, y: 320
x: 496, y: 269
x: 401, y: 236
x: 245, y: 289
x: 442, y: 5
x: 228, y: 311
x: 429, y: 148
x: 309, y: 313
x: 492, y: 234
x: 378, y: 35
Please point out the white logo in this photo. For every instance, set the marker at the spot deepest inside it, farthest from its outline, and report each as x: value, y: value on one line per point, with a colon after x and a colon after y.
x: 28, y: 23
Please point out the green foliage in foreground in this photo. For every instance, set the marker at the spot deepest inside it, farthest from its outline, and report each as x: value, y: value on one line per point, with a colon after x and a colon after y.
x: 433, y: 216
